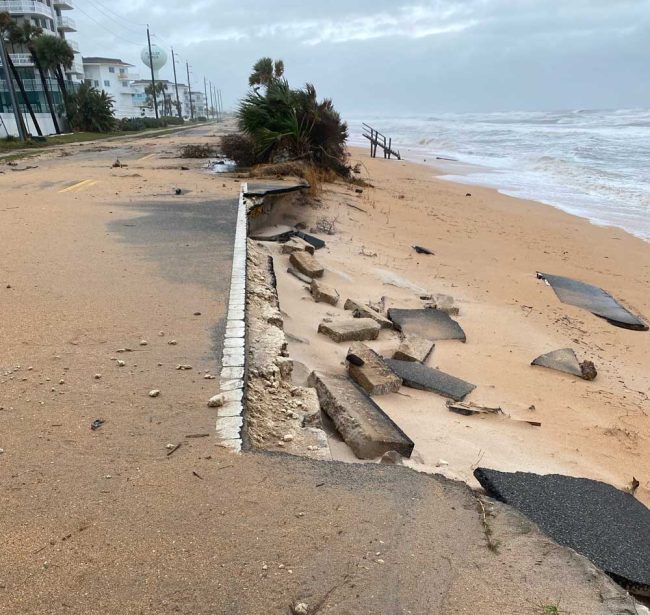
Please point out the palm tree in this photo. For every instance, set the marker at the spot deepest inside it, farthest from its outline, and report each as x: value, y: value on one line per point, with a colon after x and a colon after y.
x: 161, y: 97
x: 54, y: 53
x: 265, y: 71
x: 8, y: 25
x: 26, y: 36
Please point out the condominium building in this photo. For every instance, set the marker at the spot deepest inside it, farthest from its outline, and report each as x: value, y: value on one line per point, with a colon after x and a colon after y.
x: 114, y: 77
x: 51, y: 16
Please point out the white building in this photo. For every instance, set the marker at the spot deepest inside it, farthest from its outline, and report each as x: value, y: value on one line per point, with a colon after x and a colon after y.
x: 48, y: 15
x: 112, y: 75
x: 167, y: 103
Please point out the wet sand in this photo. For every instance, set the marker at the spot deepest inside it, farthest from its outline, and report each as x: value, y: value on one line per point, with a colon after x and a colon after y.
x: 488, y: 248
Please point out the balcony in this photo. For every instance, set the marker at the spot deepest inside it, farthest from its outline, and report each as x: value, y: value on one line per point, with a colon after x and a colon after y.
x: 73, y: 44
x: 63, y: 5
x: 65, y: 24
x: 26, y: 7
x: 22, y: 59
x: 77, y: 69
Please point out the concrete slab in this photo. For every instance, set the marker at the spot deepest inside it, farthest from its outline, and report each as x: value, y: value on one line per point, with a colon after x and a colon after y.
x: 428, y: 323
x: 418, y: 376
x: 363, y: 310
x: 364, y: 426
x: 307, y: 264
x: 272, y: 187
x: 322, y: 293
x: 414, y: 348
x: 370, y: 372
x: 295, y: 244
x: 594, y: 299
x: 608, y: 526
x: 352, y: 330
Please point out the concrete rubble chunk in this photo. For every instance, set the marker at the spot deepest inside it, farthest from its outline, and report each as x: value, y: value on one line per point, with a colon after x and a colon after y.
x: 444, y: 303
x: 602, y: 523
x: 322, y: 293
x: 373, y: 375
x: 363, y: 310
x: 565, y: 360
x: 414, y: 348
x: 364, y: 426
x: 428, y: 323
x: 418, y: 376
x: 295, y: 244
x: 352, y: 330
x: 296, y: 274
x: 307, y: 264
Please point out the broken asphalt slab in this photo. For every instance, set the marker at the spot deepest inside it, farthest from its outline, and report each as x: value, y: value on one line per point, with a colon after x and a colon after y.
x: 266, y: 188
x: 413, y: 348
x: 428, y: 323
x: 370, y: 372
x: 418, y: 376
x: 609, y: 527
x: 565, y: 360
x: 593, y: 299
x: 364, y: 426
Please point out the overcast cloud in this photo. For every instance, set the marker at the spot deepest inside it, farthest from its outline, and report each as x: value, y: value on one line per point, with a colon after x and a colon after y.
x: 388, y: 56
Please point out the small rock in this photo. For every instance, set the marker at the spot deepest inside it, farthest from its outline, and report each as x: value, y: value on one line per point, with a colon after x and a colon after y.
x: 172, y: 342
x: 121, y: 363
x: 143, y: 342
x: 216, y: 401
x: 184, y: 367
x: 441, y: 463
x: 209, y: 377
x: 287, y: 438
x: 392, y: 458
x: 265, y: 567
x: 300, y: 608
x: 98, y: 376
x: 2, y: 450
x: 170, y: 446
x: 197, y: 313
x: 154, y: 393
x: 60, y: 381
x: 161, y: 333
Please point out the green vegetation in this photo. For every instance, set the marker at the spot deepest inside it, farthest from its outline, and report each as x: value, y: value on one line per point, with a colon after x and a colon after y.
x: 90, y: 110
x: 279, y: 124
x: 130, y: 124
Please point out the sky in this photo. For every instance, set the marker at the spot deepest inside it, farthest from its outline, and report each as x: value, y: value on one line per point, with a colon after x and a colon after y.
x: 396, y: 57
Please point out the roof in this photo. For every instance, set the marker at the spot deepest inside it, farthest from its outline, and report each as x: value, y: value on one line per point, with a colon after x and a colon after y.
x: 99, y: 60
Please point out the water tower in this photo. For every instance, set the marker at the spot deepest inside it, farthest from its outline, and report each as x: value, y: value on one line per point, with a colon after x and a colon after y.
x: 158, y: 58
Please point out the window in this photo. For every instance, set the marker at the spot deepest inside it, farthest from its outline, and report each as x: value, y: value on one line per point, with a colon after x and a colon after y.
x: 107, y: 84
x: 125, y: 84
x: 122, y: 71
x: 111, y: 69
x: 88, y: 81
x: 96, y: 83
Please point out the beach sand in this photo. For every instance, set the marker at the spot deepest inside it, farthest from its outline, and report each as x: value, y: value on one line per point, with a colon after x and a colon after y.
x: 488, y: 248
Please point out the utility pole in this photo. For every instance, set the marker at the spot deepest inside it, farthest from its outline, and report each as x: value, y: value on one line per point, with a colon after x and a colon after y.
x: 212, y: 101
x: 189, y: 90
x: 205, y: 91
x: 220, y: 104
x: 153, y: 79
x: 22, y: 133
x: 216, y: 107
x: 178, y: 100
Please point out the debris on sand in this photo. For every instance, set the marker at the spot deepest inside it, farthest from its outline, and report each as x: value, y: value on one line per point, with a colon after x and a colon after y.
x: 216, y: 401
x: 591, y: 517
x: 307, y: 264
x: 429, y: 323
x: 363, y: 310
x: 154, y: 393
x: 418, y: 376
x: 422, y: 250
x: 414, y: 348
x: 565, y: 360
x: 96, y: 424
x: 373, y: 375
x: 322, y: 293
x: 352, y: 330
x: 593, y: 299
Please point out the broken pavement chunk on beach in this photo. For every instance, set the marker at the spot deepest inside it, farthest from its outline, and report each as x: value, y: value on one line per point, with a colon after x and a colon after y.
x: 429, y: 323
x: 593, y: 299
x: 565, y: 360
x: 352, y: 330
x: 609, y: 527
x: 373, y: 375
x: 363, y: 310
x: 307, y: 264
x: 322, y: 293
x: 364, y: 426
x: 418, y: 376
x: 295, y: 244
x: 413, y: 348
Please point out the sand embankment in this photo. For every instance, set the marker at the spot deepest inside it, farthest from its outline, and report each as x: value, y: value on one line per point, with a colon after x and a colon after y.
x: 488, y: 248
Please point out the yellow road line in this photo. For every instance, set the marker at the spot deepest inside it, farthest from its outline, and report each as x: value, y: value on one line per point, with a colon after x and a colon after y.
x: 146, y: 157
x: 74, y: 187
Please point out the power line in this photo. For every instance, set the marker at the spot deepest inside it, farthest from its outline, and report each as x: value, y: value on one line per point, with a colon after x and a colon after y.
x: 106, y: 14
x: 101, y: 25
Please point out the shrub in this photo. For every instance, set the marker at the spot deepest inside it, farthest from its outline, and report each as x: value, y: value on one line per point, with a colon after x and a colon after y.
x: 286, y: 124
x: 90, y: 110
x: 240, y: 148
x: 143, y: 123
x: 197, y: 151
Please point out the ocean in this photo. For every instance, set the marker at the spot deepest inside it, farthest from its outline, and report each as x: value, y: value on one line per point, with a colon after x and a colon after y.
x: 594, y: 164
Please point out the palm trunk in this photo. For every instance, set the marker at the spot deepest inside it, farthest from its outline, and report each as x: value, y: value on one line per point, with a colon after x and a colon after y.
x: 61, y: 79
x: 48, y: 96
x: 21, y: 87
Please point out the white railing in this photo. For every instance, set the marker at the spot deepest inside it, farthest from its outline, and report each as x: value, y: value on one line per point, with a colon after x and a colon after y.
x: 22, y: 59
x: 63, y: 4
x: 65, y: 23
x: 26, y: 7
